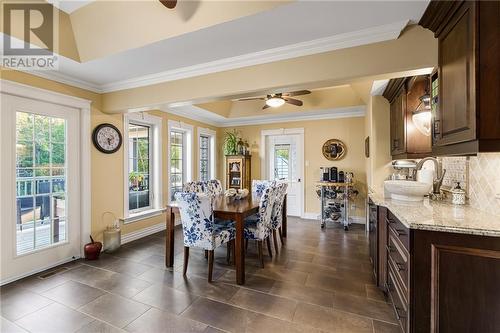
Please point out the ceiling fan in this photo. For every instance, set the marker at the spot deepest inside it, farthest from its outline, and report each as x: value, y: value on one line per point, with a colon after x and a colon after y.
x: 278, y: 99
x: 170, y: 4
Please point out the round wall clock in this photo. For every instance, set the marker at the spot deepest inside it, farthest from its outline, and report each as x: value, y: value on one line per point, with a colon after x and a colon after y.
x: 334, y: 150
x: 107, y: 138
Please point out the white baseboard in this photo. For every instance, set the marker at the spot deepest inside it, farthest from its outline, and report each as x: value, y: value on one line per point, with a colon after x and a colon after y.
x: 132, y: 236
x: 310, y: 216
x: 35, y: 271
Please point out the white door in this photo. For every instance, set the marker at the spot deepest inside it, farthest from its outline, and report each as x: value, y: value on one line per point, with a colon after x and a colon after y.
x: 284, y: 156
x: 40, y: 185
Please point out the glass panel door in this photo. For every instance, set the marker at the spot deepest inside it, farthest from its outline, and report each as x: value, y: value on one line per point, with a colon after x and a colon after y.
x: 40, y: 182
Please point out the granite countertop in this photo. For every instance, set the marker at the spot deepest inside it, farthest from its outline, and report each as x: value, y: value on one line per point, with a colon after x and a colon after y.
x: 440, y: 216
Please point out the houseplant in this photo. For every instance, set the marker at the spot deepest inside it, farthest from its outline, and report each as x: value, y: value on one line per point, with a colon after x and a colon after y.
x: 231, y: 142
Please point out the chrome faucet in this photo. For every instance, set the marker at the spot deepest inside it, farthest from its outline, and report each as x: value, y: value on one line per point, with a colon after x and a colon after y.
x: 439, y: 173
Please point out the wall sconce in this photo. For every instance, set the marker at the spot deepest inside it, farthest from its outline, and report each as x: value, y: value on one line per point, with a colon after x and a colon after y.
x: 422, y: 115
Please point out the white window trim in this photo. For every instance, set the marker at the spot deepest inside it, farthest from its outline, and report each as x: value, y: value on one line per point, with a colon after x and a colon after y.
x: 155, y: 124
x: 188, y: 151
x: 212, y: 151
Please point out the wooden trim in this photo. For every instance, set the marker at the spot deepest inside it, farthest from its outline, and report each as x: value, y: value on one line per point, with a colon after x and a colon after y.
x: 393, y: 88
x: 437, y: 15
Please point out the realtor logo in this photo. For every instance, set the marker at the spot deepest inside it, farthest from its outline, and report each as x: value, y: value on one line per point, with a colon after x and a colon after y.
x: 29, y: 36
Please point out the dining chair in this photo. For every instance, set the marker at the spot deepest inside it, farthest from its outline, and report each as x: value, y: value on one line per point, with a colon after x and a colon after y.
x: 277, y: 214
x: 260, y: 229
x: 258, y: 186
x: 195, y: 186
x: 215, y: 187
x: 199, y: 227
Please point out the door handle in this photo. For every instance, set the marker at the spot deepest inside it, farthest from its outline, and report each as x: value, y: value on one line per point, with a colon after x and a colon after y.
x: 299, y: 180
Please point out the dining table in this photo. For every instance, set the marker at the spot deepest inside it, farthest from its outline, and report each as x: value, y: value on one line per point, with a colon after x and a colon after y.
x: 225, y: 208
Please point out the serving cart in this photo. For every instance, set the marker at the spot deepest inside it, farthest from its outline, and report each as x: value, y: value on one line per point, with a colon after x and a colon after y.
x: 335, y: 199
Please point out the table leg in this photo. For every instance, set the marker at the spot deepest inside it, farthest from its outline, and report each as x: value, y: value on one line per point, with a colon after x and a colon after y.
x: 169, y: 248
x: 240, y: 249
x: 284, y: 219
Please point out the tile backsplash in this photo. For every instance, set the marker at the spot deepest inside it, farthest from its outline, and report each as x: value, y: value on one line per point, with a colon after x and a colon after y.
x: 480, y: 176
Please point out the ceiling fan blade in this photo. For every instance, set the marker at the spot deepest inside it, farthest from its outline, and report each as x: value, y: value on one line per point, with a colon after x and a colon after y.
x: 252, y: 99
x: 297, y: 93
x: 265, y: 107
x: 293, y: 101
x: 170, y: 4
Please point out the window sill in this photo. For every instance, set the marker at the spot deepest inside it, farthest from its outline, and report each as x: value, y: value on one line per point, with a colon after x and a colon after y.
x: 142, y: 215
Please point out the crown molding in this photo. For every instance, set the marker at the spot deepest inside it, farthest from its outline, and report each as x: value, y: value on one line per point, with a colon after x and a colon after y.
x: 341, y: 41
x: 198, y: 114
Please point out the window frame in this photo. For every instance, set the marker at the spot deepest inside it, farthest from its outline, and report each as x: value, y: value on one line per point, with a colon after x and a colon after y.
x: 187, y: 151
x: 211, y: 134
x: 155, y: 165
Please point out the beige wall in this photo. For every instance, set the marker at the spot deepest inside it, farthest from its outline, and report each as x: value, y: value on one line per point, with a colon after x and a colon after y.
x: 107, y: 170
x: 377, y: 127
x: 349, y: 130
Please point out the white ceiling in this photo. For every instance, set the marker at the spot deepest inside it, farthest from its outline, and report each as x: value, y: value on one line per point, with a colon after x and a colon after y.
x: 284, y: 32
x: 69, y: 6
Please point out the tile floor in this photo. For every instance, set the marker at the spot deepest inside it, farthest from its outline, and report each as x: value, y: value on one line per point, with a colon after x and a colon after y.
x: 319, y: 282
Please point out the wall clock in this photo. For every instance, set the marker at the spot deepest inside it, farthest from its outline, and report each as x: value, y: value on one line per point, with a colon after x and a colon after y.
x: 107, y: 138
x: 334, y: 150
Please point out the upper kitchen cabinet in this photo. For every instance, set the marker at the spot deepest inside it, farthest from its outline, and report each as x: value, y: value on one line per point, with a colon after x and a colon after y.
x: 410, y: 127
x: 467, y: 117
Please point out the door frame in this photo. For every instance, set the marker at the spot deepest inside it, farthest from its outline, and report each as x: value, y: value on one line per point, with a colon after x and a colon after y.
x: 300, y: 153
x: 83, y: 105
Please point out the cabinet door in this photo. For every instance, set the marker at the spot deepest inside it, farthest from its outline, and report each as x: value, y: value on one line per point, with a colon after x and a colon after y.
x: 398, y: 124
x: 457, y: 88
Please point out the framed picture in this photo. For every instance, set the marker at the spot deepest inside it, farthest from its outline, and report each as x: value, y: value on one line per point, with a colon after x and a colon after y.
x: 334, y: 150
x: 367, y: 147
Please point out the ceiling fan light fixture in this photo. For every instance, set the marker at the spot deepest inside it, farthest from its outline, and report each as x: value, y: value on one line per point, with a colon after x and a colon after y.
x: 275, y: 102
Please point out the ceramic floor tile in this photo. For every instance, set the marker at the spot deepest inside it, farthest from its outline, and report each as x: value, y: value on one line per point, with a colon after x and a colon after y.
x: 382, y: 327
x: 116, y: 310
x: 364, y: 307
x: 6, y: 326
x: 303, y: 293
x: 128, y: 267
x: 254, y: 282
x: 18, y: 302
x: 201, y: 287
x: 265, y: 324
x: 155, y: 320
x: 54, y: 318
x: 330, y: 320
x: 270, y: 305
x: 328, y: 282
x: 165, y: 298
x: 219, y: 315
x: 98, y: 326
x: 73, y: 294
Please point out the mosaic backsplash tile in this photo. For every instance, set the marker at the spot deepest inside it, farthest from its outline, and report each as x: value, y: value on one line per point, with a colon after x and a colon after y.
x: 480, y: 176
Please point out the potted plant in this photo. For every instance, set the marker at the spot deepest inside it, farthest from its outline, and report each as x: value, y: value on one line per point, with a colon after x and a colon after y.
x: 135, y: 179
x: 231, y: 142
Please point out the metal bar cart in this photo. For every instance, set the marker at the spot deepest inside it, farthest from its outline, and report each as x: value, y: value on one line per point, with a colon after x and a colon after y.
x: 333, y: 208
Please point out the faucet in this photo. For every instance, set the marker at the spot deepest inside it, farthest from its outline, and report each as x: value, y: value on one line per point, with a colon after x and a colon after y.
x: 439, y: 173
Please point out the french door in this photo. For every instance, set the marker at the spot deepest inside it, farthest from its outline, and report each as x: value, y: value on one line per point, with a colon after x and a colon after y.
x: 39, y: 185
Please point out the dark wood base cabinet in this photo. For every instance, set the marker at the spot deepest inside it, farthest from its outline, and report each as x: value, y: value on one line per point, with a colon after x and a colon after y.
x: 438, y: 281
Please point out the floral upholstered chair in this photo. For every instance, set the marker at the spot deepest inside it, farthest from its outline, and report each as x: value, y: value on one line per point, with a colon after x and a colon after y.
x: 260, y: 229
x: 277, y: 214
x: 258, y: 186
x: 195, y: 186
x: 215, y: 187
x: 199, y: 228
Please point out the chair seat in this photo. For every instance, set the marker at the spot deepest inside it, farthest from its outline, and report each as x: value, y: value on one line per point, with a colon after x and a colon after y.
x: 221, y: 221
x: 251, y: 231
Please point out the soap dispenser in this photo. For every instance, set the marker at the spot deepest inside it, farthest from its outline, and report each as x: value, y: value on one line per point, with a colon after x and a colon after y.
x: 458, y: 195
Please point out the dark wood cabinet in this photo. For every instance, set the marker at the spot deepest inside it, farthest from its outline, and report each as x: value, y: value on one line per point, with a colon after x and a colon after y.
x: 238, y: 172
x: 372, y: 236
x: 467, y: 120
x: 440, y: 281
x: 403, y: 94
x: 377, y: 236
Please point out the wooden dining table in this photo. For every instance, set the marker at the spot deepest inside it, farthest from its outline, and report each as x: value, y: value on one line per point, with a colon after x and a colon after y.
x: 227, y: 209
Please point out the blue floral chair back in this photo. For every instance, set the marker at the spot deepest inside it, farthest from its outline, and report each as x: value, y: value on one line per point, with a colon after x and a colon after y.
x: 258, y: 186
x: 277, y: 214
x: 215, y: 187
x: 263, y: 224
x: 195, y: 186
x: 198, y: 224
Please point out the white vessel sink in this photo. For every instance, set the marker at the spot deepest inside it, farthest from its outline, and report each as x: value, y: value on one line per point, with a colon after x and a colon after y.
x: 406, y: 190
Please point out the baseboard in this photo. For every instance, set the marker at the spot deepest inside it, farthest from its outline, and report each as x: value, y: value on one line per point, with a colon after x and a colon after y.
x: 35, y: 271
x: 134, y: 235
x: 315, y: 216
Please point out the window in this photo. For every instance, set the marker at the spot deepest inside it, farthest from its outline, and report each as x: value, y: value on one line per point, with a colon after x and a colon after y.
x: 180, y: 143
x: 139, y: 192
x: 142, y: 144
x: 206, y: 157
x: 282, y: 161
x: 176, y: 165
x: 40, y: 181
